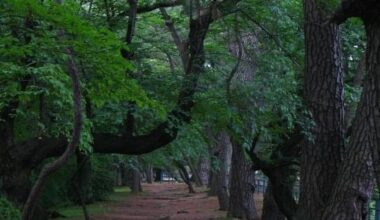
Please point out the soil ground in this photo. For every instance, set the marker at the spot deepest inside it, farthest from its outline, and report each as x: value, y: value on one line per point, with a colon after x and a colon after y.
x: 167, y: 201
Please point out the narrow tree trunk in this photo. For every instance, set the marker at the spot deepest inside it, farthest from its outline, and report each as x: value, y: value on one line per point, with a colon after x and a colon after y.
x: 242, y: 186
x: 195, y: 175
x: 204, y: 170
x: 213, y: 183
x: 158, y: 175
x: 49, y: 169
x: 270, y: 208
x: 324, y: 96
x: 82, y: 177
x: 222, y: 177
x: 149, y: 174
x: 185, y: 176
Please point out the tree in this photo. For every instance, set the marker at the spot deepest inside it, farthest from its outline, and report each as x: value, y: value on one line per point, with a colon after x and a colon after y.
x: 323, y: 90
x: 37, y: 148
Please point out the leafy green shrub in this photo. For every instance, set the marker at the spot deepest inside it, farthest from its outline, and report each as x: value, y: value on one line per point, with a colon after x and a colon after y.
x: 8, y: 211
x: 102, y: 180
x: 59, y: 191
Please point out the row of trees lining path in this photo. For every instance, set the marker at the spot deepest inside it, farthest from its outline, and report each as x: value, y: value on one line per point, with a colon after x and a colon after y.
x: 324, y: 142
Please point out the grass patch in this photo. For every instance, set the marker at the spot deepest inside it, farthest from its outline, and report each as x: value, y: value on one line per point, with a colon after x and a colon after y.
x: 97, y: 208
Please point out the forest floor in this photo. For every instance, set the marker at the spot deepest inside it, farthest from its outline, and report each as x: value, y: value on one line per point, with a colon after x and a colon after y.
x: 166, y: 201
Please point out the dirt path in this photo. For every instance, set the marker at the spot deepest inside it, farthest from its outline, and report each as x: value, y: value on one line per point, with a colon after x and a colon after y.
x: 165, y: 201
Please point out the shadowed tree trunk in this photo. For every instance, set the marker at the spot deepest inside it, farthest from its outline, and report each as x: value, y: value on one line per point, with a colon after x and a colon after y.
x: 270, y: 208
x: 149, y: 173
x: 323, y: 89
x: 195, y: 174
x: 353, y: 189
x: 185, y: 176
x: 242, y: 186
x: 222, y: 177
x: 204, y: 170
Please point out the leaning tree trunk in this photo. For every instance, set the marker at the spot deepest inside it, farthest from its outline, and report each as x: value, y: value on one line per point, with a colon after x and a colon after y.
x: 270, y: 208
x: 195, y: 174
x: 323, y: 86
x: 242, y: 187
x: 185, y: 176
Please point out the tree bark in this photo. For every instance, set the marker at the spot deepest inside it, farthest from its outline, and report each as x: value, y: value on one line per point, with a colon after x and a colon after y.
x: 185, y: 176
x: 204, y: 170
x: 270, y: 208
x: 324, y: 96
x: 222, y: 177
x: 149, y: 174
x: 242, y: 186
x: 353, y: 189
x: 195, y: 174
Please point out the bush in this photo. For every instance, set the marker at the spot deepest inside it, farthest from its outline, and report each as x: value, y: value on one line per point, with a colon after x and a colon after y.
x: 102, y: 178
x: 8, y: 211
x: 59, y: 190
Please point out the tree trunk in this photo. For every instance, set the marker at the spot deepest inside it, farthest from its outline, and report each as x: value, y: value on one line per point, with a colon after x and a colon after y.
x: 204, y: 170
x: 242, y: 188
x: 270, y: 208
x: 324, y: 96
x: 224, y: 145
x: 158, y: 175
x: 133, y: 179
x: 82, y: 178
x: 213, y: 183
x: 195, y: 174
x: 353, y: 189
x: 149, y: 174
x: 185, y: 176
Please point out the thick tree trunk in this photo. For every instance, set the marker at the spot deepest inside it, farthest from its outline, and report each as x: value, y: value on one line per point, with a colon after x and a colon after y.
x: 353, y: 189
x: 242, y: 186
x: 270, y: 208
x: 324, y: 96
x: 133, y: 179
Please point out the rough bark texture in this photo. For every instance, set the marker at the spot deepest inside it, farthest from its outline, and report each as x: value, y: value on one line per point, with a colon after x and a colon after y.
x: 242, y: 186
x: 270, y: 208
x: 353, y: 189
x: 222, y: 177
x: 324, y: 96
